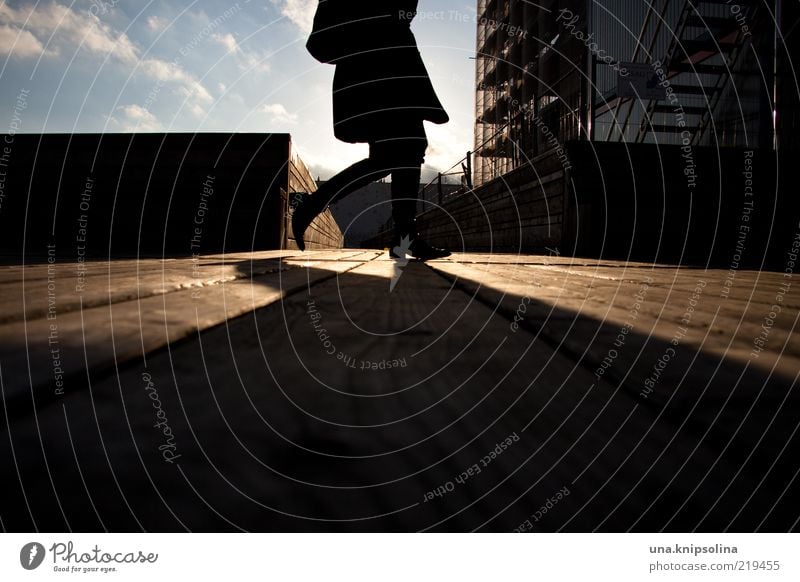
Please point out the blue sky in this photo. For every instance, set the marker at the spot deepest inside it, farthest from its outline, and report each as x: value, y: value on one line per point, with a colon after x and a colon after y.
x: 122, y: 65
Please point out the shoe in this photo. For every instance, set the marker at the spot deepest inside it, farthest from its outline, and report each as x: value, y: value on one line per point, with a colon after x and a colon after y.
x: 304, y: 211
x: 418, y: 248
x: 423, y: 251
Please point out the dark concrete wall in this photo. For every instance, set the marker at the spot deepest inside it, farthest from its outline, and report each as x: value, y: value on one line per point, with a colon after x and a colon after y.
x: 521, y: 211
x: 720, y: 207
x: 149, y: 194
x: 666, y: 204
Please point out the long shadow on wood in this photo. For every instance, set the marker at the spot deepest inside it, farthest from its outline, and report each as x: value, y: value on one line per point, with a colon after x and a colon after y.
x: 348, y: 407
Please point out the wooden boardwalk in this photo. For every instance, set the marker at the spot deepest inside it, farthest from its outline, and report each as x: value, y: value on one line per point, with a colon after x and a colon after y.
x: 286, y: 391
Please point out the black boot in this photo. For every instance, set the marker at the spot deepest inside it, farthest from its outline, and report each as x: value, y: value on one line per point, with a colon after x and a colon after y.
x: 419, y: 249
x: 404, y: 212
x: 408, y: 242
x: 304, y: 210
x: 422, y: 250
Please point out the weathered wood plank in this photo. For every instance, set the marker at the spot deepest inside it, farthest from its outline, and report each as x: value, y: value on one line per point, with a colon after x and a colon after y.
x: 277, y: 434
x: 28, y: 292
x: 44, y: 351
x: 725, y: 327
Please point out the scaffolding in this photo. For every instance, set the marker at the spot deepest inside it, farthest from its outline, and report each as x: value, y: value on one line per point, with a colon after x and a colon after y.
x: 549, y: 72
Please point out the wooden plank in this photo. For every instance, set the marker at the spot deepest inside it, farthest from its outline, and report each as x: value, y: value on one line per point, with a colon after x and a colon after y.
x: 27, y: 292
x: 705, y: 377
x: 724, y: 327
x: 276, y: 434
x: 41, y: 353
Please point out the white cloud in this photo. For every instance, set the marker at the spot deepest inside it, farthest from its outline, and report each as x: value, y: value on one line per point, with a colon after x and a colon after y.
x: 168, y: 72
x: 157, y: 23
x: 248, y: 61
x: 19, y: 43
x: 278, y: 113
x: 59, y: 25
x: 197, y: 110
x: 136, y: 118
x: 228, y: 41
x: 300, y: 12
x: 254, y: 62
x: 446, y: 144
x: 59, y: 29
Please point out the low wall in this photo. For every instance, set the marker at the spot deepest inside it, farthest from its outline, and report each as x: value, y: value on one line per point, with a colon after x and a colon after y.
x: 521, y: 211
x: 700, y: 206
x: 108, y: 195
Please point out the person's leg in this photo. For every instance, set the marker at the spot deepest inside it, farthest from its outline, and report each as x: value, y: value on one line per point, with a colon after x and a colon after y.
x: 400, y: 156
x: 349, y: 180
x: 306, y: 207
x: 405, y: 194
x: 404, y: 156
x: 408, y: 155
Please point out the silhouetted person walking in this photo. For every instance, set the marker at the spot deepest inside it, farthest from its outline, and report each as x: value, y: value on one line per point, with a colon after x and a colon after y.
x: 381, y: 95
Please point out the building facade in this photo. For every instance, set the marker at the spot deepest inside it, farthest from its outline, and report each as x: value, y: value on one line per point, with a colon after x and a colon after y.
x: 663, y: 72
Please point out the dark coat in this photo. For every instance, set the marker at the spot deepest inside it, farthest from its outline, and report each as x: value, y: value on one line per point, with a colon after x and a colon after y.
x: 382, y: 83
